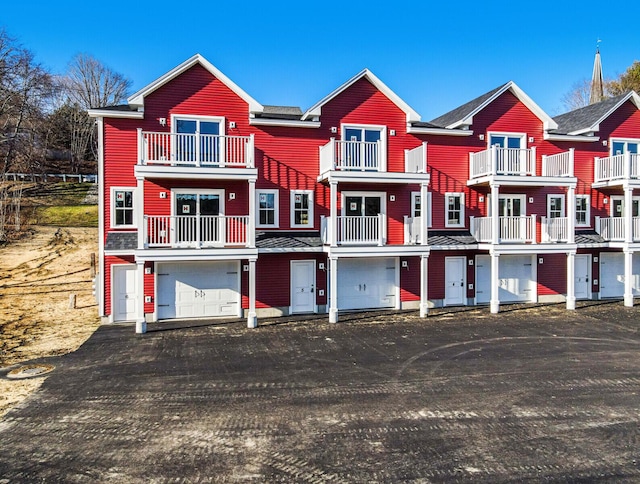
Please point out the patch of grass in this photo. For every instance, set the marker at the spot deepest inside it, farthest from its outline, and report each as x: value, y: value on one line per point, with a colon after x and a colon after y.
x: 55, y: 193
x: 65, y: 216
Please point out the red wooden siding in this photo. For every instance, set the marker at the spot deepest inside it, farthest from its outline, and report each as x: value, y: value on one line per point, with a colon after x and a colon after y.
x: 552, y: 274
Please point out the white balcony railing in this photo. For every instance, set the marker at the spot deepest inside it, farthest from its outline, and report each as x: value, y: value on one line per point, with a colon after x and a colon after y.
x: 196, y: 231
x: 612, y: 229
x: 355, y: 230
x: 415, y: 160
x: 510, y: 229
x: 352, y: 156
x: 554, y: 229
x: 618, y: 167
x: 199, y: 150
x: 560, y: 164
x: 503, y: 161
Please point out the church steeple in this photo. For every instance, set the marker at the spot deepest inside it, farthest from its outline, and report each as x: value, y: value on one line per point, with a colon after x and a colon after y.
x: 597, y: 83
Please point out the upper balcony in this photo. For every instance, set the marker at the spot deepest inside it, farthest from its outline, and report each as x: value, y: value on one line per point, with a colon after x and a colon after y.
x: 368, y: 231
x: 522, y: 230
x: 185, y: 155
x: 613, y: 229
x: 519, y: 166
x: 366, y: 161
x: 614, y: 170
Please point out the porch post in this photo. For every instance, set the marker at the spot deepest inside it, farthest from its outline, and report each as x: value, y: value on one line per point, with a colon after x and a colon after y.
x: 141, y: 322
x: 495, y: 297
x: 571, y: 280
x: 251, y: 235
x: 139, y: 213
x: 333, y: 203
x: 495, y: 216
x: 628, y: 215
x: 424, y: 197
x: 424, y: 285
x: 571, y: 215
x: 252, y: 320
x: 628, y: 277
x: 333, y: 289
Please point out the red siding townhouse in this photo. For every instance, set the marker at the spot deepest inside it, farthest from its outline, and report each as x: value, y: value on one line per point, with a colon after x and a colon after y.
x: 214, y: 205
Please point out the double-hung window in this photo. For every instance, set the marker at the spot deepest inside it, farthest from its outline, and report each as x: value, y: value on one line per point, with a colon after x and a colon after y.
x: 454, y: 207
x: 582, y: 211
x: 555, y: 206
x: 122, y: 207
x: 267, y: 208
x: 416, y: 206
x: 302, y: 208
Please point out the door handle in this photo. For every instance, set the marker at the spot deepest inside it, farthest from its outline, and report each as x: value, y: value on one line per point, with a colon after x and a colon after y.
x: 365, y: 287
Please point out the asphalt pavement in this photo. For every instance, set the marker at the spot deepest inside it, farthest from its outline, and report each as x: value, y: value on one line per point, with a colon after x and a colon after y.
x: 531, y: 394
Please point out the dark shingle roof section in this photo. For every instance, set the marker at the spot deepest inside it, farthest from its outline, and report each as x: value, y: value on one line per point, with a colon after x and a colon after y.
x: 585, y: 117
x: 450, y: 237
x: 281, y: 112
x: 288, y: 240
x: 121, y: 241
x: 588, y: 237
x: 121, y: 107
x: 463, y: 111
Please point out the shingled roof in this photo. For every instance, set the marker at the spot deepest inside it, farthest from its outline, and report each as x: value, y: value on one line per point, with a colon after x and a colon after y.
x: 586, y: 118
x: 461, y: 112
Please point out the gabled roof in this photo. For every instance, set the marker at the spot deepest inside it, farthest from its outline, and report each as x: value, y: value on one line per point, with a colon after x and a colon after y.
x: 137, y: 100
x: 316, y: 109
x: 463, y: 115
x: 588, y: 118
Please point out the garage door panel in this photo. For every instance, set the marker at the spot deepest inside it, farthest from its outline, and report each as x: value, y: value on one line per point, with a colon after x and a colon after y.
x: 191, y: 290
x: 612, y: 274
x: 515, y: 278
x: 366, y: 283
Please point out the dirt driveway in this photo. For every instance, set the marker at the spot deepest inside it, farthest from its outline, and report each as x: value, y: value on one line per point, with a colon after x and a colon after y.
x: 538, y: 394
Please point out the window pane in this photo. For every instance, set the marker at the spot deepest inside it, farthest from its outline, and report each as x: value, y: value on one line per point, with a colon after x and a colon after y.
x: 633, y: 148
x: 618, y: 148
x: 186, y: 126
x: 513, y: 143
x: 497, y: 140
x: 207, y: 127
x: 351, y: 134
x: 371, y: 135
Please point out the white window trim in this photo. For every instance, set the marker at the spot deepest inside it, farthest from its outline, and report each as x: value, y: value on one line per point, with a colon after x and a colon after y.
x: 446, y: 209
x: 587, y: 213
x: 292, y: 208
x: 522, y: 136
x: 556, y: 195
x: 621, y: 198
x: 504, y: 196
x: 414, y: 195
x: 191, y: 117
x: 622, y: 140
x: 196, y: 191
x: 276, y: 203
x: 134, y: 191
x: 382, y: 195
x: 383, y: 138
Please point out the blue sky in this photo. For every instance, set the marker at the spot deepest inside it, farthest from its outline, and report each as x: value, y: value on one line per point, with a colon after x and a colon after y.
x: 434, y: 55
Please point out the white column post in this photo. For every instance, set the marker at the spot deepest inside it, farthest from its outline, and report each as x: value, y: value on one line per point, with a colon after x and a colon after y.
x: 139, y: 214
x: 252, y: 320
x: 571, y: 280
x: 628, y: 277
x: 251, y: 235
x: 424, y: 211
x: 141, y: 322
x: 628, y: 214
x: 424, y: 286
x: 333, y: 204
x: 495, y: 297
x: 495, y: 216
x: 333, y: 289
x: 571, y: 215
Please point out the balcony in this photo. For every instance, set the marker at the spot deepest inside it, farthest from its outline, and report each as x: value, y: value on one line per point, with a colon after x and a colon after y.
x: 511, y: 229
x: 555, y: 229
x: 355, y: 230
x: 367, y: 161
x: 194, y: 154
x: 197, y: 231
x: 612, y: 229
x: 625, y: 166
x: 497, y: 161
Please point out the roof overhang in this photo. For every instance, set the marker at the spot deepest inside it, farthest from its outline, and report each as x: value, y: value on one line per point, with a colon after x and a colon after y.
x: 288, y: 123
x: 110, y: 113
x: 569, y: 137
x: 439, y: 131
x: 595, y: 127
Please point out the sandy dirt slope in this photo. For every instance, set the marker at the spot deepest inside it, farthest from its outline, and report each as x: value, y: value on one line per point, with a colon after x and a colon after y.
x: 38, y: 273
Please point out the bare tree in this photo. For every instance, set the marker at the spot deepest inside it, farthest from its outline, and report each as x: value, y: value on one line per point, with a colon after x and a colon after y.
x: 578, y: 97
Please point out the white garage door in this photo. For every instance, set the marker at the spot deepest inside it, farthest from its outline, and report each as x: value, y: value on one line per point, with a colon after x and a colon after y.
x: 515, y: 279
x: 612, y: 274
x: 199, y: 290
x: 367, y: 283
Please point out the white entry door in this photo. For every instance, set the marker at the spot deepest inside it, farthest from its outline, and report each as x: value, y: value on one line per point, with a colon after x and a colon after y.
x: 303, y: 296
x: 125, y: 290
x: 582, y: 276
x: 455, y: 280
